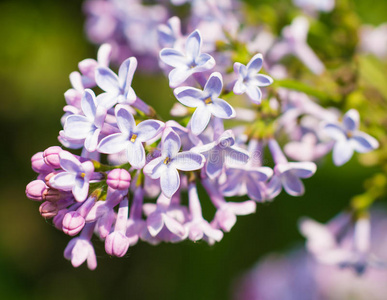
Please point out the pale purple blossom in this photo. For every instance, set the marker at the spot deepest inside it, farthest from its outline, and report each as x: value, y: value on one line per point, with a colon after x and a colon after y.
x: 76, y: 176
x: 131, y: 137
x: 118, y: 88
x: 171, y: 160
x: 313, y: 5
x: 184, y: 65
x: 206, y: 102
x: 249, y: 81
x: 86, y: 127
x: 348, y: 138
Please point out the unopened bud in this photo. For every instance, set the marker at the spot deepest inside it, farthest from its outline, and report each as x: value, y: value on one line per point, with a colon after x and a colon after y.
x: 35, y: 190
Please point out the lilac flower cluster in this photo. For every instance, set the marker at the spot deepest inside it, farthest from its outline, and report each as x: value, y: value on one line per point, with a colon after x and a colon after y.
x: 152, y: 159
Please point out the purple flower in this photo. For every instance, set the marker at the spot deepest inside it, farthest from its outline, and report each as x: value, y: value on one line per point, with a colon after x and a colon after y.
x: 87, y: 127
x: 80, y: 249
x: 131, y: 137
x: 249, y: 80
x: 117, y: 243
x: 197, y: 227
x: 165, y: 167
x: 118, y: 88
x: 348, y: 138
x: 76, y: 176
x: 220, y: 151
x: 288, y: 174
x: 312, y: 5
x: 185, y: 65
x: 206, y: 102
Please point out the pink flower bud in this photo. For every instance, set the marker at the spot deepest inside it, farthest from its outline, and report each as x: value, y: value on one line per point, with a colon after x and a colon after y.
x: 39, y: 165
x: 55, y: 195
x: 116, y: 244
x: 35, y: 190
x: 48, y: 209
x: 73, y: 223
x: 118, y: 179
x: 51, y: 156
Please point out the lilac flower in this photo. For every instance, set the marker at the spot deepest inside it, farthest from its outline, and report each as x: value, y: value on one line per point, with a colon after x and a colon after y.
x: 170, y: 34
x: 348, y: 138
x: 117, y: 243
x: 249, y: 80
x: 206, y: 102
x: 288, y: 174
x: 312, y: 5
x: 135, y: 224
x: 294, y: 42
x: 165, y: 167
x: 76, y: 176
x: 87, y: 127
x: 51, y: 156
x: 35, y: 190
x: 80, y: 249
x: 118, y: 88
x: 185, y: 65
x: 197, y: 227
x: 374, y: 40
x: 246, y: 179
x: 220, y: 151
x: 131, y: 137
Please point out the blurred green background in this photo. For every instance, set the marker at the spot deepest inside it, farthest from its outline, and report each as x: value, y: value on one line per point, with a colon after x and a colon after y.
x: 42, y: 42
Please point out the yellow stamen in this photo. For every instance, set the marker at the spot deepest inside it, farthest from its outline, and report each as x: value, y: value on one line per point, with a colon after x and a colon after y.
x: 167, y: 160
x: 133, y: 137
x: 208, y: 100
x: 83, y: 175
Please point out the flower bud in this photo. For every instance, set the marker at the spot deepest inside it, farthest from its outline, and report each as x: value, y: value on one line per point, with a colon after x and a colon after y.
x: 116, y: 244
x: 48, y: 209
x: 38, y: 164
x: 51, y: 156
x: 35, y: 190
x: 73, y: 223
x: 118, y: 179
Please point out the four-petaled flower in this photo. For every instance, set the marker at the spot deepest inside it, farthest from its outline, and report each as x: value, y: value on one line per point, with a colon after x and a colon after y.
x: 348, y: 138
x: 249, y: 80
x: 185, y: 65
x: 118, y: 88
x: 206, y: 102
x: 86, y: 128
x: 76, y: 176
x: 165, y: 167
x: 131, y: 137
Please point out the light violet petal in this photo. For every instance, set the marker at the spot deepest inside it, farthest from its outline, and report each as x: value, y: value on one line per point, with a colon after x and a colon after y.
x: 204, y: 63
x: 274, y: 188
x: 99, y: 209
x: 242, y: 208
x: 113, y: 143
x: 261, y: 173
x: 254, y: 93
x: 200, y: 119
x: 214, y: 85
x: 135, y: 153
x: 236, y: 155
x: 77, y: 127
x: 363, y: 142
x: 226, y: 219
x: 88, y: 105
x: 253, y: 189
x: 91, y: 140
x: 193, y: 45
x: 126, y: 72
x: 235, y: 181
x: 239, y: 87
x: 292, y: 184
x: 178, y: 76
x: 255, y: 64
x: 107, y: 80
x: 169, y: 181
x: 155, y: 168
x: 107, y: 100
x: 303, y: 169
x: 342, y: 152
x: 351, y: 120
x: 63, y: 181
x: 69, y: 162
x: 335, y: 132
x: 212, y: 233
x: 261, y: 80
x: 155, y: 223
x: 80, y: 189
x: 189, y: 96
x: 173, y: 58
x: 174, y: 226
x: 170, y: 143
x: 148, y: 129
x: 221, y: 109
x: 214, y: 165
x: 125, y: 120
x: 188, y: 161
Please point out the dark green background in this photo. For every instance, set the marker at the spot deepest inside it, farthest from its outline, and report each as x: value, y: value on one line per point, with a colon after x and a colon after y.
x: 41, y: 43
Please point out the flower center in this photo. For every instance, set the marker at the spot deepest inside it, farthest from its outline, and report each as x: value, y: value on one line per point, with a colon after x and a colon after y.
x: 133, y: 137
x: 167, y: 160
x: 208, y: 100
x: 83, y: 175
